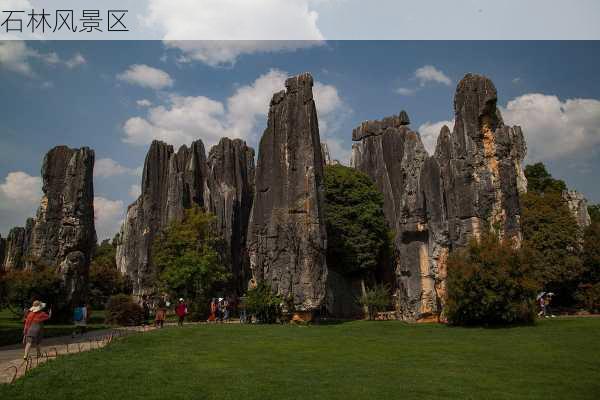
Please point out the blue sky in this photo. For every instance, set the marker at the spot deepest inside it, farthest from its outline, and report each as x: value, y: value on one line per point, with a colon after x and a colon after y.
x: 116, y: 96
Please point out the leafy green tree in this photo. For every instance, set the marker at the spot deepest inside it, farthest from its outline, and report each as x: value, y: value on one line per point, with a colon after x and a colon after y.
x: 490, y: 283
x: 264, y: 304
x: 22, y: 287
x: 588, y: 293
x: 186, y: 258
x: 105, y: 280
x: 539, y: 180
x: 358, y: 237
x: 375, y: 299
x: 552, y: 235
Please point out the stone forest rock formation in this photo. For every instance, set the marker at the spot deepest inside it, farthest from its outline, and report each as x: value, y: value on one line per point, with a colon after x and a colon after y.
x: 286, y: 236
x: 231, y: 191
x: 62, y: 236
x: 435, y: 204
x: 578, y: 207
x: 171, y: 182
x: 16, y: 247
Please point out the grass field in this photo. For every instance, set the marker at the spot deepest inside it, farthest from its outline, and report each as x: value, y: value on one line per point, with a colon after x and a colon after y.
x: 11, y: 327
x: 556, y: 359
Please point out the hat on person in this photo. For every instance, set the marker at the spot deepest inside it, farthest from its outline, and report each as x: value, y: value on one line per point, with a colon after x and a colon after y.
x: 181, y: 299
x: 37, y: 306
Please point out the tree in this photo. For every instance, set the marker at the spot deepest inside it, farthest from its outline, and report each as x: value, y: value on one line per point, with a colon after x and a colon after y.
x: 588, y: 293
x: 490, y: 283
x: 358, y: 237
x: 265, y: 305
x: 539, y: 180
x: 552, y: 235
x: 24, y: 286
x: 186, y: 258
x: 105, y: 279
x: 375, y: 299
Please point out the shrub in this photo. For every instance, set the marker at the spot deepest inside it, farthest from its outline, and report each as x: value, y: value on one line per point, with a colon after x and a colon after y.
x: 490, y: 283
x: 588, y: 297
x: 23, y: 286
x: 264, y: 304
x: 122, y: 310
x: 375, y: 299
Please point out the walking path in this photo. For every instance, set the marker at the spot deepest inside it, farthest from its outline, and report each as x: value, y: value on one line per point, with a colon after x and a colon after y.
x: 13, y: 366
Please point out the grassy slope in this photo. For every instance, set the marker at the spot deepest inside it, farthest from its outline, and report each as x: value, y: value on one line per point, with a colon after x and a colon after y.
x: 358, y: 360
x: 11, y: 327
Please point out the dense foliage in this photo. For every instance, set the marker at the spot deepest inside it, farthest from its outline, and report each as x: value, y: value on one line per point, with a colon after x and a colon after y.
x: 23, y: 287
x: 375, y: 299
x: 263, y: 304
x: 490, y: 283
x: 588, y: 293
x: 357, y: 235
x: 105, y: 280
x: 122, y: 310
x: 539, y: 180
x: 551, y: 234
x: 187, y: 261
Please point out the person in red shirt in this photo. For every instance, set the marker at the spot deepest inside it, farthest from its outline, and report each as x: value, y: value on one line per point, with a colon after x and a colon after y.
x: 181, y: 311
x: 32, y: 329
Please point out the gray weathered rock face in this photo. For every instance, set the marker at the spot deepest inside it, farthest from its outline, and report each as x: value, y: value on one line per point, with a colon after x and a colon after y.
x: 2, y: 248
x: 63, y: 231
x: 578, y: 207
x: 16, y: 247
x: 286, y: 235
x: 231, y: 187
x: 171, y: 182
x: 437, y: 203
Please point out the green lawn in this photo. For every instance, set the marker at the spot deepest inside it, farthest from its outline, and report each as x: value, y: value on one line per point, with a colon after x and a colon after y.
x: 556, y: 359
x: 11, y: 327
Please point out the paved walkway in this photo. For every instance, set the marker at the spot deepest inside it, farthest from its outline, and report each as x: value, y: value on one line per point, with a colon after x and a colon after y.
x: 13, y: 366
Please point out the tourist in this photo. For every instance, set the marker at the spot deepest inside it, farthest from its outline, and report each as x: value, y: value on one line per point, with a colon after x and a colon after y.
x: 80, y: 317
x: 242, y: 308
x: 226, y: 306
x: 146, y: 308
x: 161, y: 315
x: 541, y: 298
x: 548, y: 310
x: 181, y: 311
x: 32, y: 330
x: 213, y: 310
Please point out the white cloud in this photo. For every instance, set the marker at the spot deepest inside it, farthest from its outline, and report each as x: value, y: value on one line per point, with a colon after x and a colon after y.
x: 184, y: 119
x: 16, y: 56
x: 108, y: 216
x: 20, y: 195
x: 430, y: 131
x: 405, y: 91
x: 250, y: 27
x: 554, y: 128
x: 75, y: 61
x: 143, y: 103
x: 429, y: 73
x: 107, y: 167
x: 146, y: 76
x: 135, y: 191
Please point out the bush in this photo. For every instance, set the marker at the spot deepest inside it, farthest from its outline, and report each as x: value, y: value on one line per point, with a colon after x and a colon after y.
x: 264, y: 304
x: 588, y: 297
x: 22, y: 287
x: 375, y: 299
x: 122, y: 310
x: 490, y: 283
